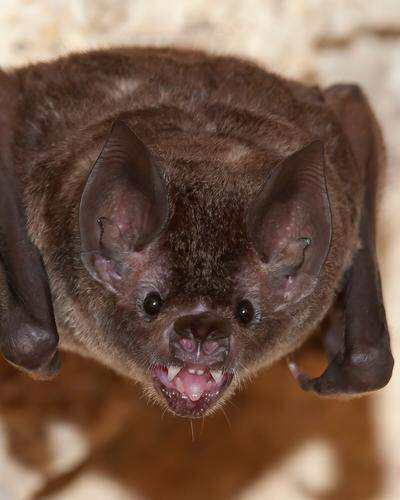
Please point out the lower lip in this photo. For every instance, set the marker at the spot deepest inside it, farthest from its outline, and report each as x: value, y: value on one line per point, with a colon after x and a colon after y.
x: 183, y: 406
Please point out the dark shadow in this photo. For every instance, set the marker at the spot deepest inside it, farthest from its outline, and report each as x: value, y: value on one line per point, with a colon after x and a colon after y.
x: 154, y: 454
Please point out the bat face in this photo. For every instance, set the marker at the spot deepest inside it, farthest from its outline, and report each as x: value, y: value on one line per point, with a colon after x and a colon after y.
x: 203, y: 280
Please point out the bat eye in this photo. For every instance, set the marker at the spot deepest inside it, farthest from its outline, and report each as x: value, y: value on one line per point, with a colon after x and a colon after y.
x: 244, y: 312
x: 152, y: 303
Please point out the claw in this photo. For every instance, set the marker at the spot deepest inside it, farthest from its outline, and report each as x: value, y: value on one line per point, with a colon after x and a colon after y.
x: 303, y: 380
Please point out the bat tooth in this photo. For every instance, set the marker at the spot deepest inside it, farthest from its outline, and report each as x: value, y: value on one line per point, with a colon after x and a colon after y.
x: 217, y: 375
x: 196, y: 371
x: 173, y: 372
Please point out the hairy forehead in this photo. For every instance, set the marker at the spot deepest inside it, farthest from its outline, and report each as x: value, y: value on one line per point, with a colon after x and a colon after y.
x: 211, y: 185
x: 206, y: 235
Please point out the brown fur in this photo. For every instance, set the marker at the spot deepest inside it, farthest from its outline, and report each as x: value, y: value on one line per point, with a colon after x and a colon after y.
x: 218, y: 126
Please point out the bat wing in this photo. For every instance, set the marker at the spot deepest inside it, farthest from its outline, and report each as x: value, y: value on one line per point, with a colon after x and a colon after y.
x: 363, y: 362
x: 28, y: 334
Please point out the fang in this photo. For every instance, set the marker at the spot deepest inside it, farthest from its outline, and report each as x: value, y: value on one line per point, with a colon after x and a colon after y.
x: 217, y: 375
x: 173, y: 372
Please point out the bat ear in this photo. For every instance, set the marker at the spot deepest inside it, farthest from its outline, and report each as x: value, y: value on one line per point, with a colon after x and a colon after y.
x: 290, y: 225
x: 123, y: 207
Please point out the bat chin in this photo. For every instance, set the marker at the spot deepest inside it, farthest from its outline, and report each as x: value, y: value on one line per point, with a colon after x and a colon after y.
x: 191, y: 390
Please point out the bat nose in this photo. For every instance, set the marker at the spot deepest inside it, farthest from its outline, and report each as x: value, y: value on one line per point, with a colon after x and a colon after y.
x: 201, y: 338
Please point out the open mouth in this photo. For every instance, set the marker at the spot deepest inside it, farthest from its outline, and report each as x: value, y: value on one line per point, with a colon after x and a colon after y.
x: 191, y: 390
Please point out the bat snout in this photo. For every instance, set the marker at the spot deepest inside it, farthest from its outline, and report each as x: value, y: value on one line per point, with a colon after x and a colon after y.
x: 197, y: 373
x: 201, y: 338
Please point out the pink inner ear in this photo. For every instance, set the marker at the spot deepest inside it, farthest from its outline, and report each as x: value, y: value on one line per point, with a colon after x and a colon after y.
x: 281, y: 232
x: 289, y: 238
x: 289, y: 222
x: 127, y: 210
x: 126, y: 192
x: 124, y: 222
x: 106, y: 272
x: 131, y: 218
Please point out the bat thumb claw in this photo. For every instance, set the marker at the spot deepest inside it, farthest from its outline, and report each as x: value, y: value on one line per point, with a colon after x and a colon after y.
x: 305, y: 382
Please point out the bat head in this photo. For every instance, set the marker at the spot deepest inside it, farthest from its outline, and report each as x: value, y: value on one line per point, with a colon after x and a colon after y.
x: 206, y: 283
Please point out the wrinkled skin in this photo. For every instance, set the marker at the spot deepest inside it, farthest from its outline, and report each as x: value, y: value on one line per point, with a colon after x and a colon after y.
x: 199, y: 223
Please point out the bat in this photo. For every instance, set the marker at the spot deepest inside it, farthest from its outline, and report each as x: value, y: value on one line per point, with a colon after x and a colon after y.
x: 188, y: 219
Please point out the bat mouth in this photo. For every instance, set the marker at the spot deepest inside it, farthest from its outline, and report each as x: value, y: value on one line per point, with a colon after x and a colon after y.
x: 190, y: 390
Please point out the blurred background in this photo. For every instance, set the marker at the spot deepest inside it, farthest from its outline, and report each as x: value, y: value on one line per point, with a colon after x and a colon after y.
x: 89, y: 434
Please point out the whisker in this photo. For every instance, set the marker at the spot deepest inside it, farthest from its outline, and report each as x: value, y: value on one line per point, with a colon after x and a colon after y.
x: 192, y: 430
x: 230, y: 402
x: 226, y: 418
x: 203, y: 421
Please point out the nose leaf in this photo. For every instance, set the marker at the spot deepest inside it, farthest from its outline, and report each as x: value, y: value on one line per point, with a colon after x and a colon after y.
x: 203, y: 337
x: 188, y: 345
x: 210, y: 346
